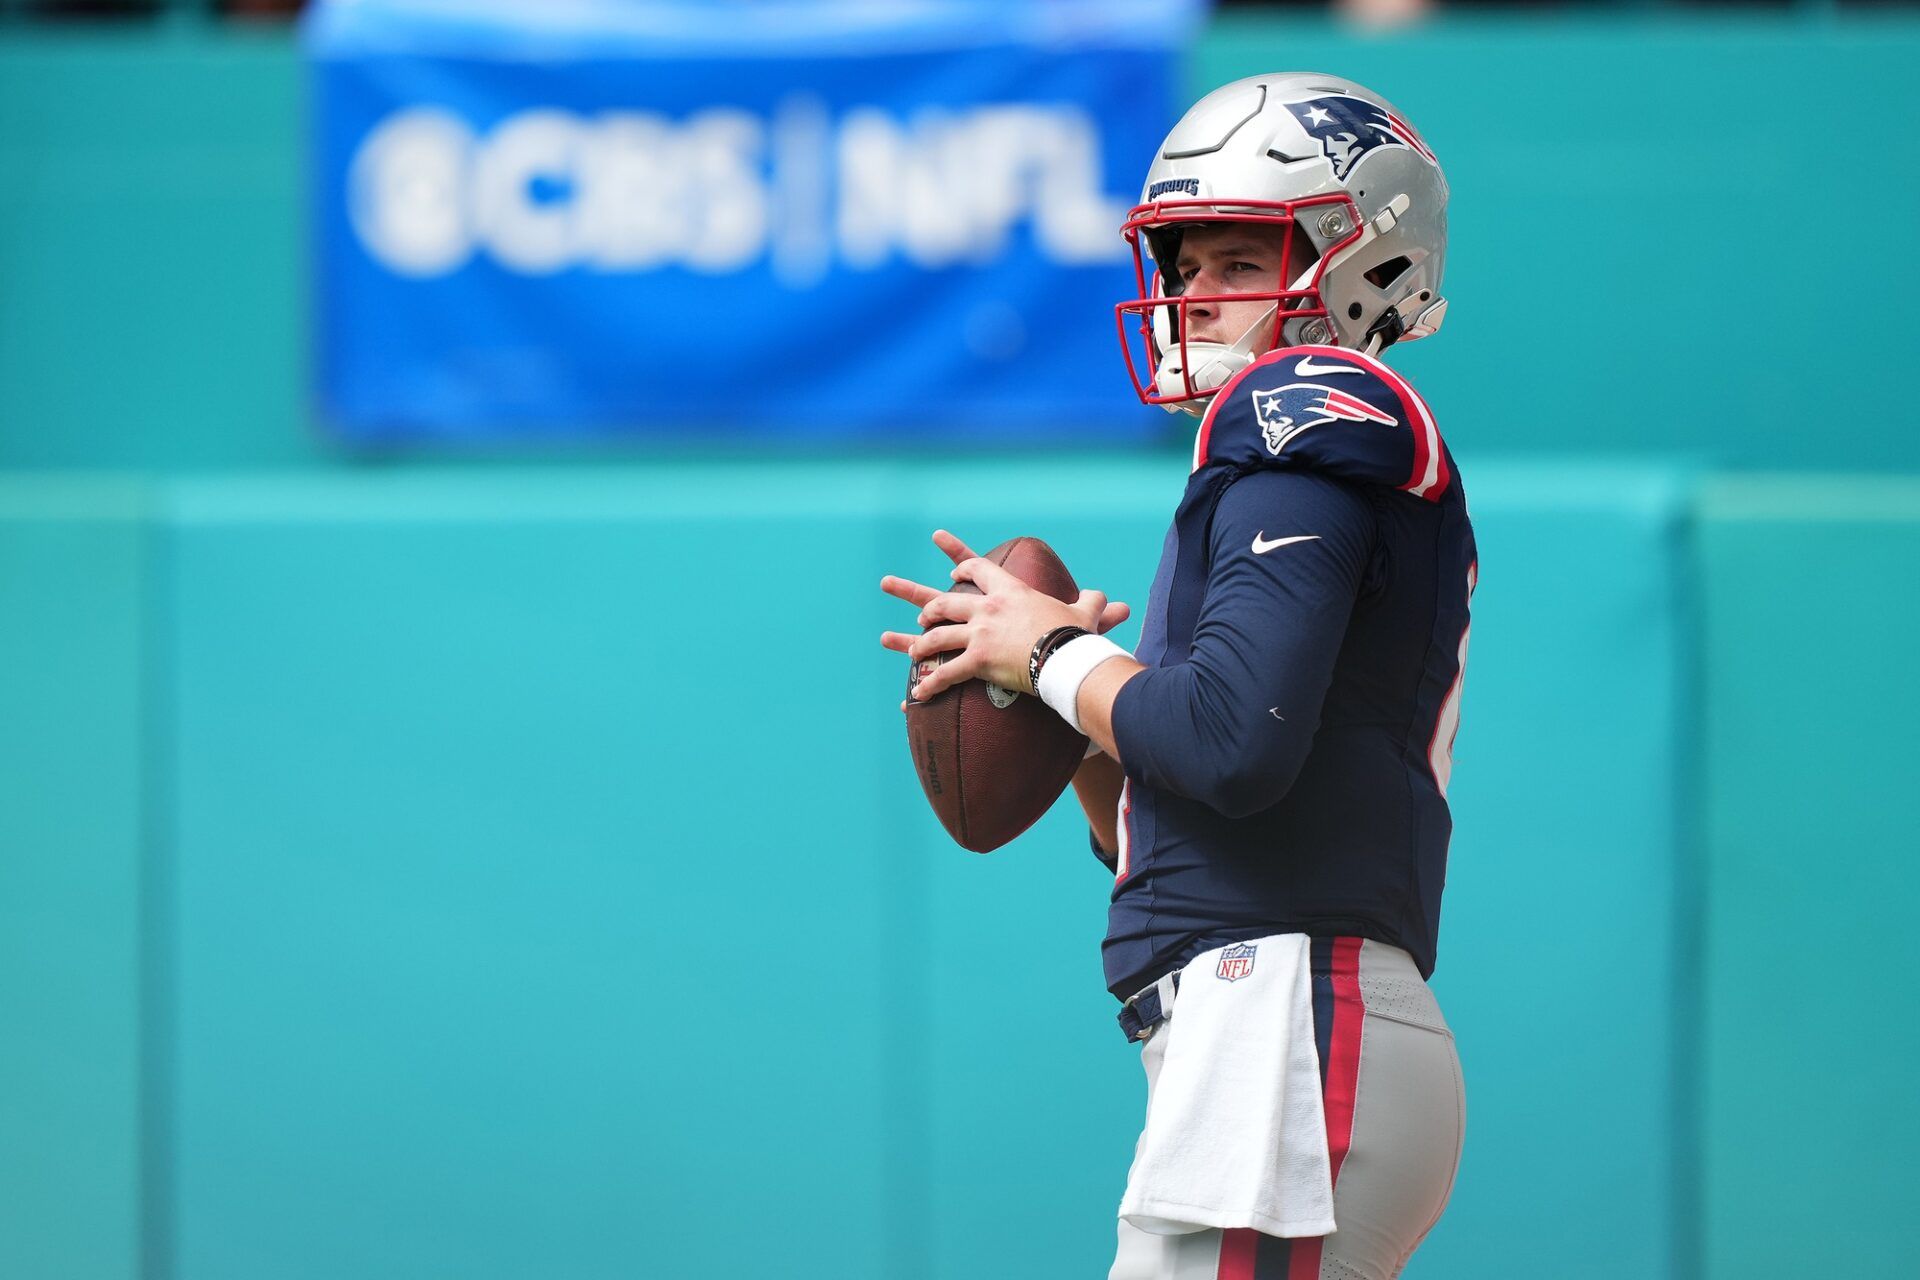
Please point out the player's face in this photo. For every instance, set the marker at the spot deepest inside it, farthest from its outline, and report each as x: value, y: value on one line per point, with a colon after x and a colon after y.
x: 1235, y: 257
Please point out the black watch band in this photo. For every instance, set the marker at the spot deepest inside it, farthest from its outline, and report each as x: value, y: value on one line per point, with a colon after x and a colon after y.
x: 1043, y: 649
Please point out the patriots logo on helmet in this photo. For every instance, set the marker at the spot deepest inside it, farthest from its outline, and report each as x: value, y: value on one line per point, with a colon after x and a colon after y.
x: 1349, y: 128
x: 1299, y: 406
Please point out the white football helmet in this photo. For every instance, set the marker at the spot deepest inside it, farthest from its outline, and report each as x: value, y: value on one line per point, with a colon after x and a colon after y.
x: 1363, y: 197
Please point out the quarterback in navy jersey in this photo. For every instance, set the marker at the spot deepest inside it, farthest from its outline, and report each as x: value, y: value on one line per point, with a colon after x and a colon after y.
x: 1270, y: 767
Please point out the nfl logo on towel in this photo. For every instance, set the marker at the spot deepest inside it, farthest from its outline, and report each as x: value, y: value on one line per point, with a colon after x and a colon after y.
x: 1235, y: 962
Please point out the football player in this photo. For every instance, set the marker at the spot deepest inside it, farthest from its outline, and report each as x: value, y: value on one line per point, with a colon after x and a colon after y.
x: 1270, y: 781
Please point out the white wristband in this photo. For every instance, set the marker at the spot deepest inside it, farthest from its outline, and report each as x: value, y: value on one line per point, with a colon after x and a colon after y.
x: 1068, y: 667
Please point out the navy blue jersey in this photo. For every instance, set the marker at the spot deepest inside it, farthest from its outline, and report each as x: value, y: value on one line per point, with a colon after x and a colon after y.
x: 1287, y: 751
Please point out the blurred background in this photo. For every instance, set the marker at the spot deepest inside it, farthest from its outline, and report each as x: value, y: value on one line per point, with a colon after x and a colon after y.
x: 454, y: 815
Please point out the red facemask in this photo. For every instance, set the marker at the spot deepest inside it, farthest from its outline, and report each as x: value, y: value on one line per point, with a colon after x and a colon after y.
x: 1161, y: 320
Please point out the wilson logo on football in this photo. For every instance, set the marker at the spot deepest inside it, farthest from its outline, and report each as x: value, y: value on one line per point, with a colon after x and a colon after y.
x: 920, y: 670
x: 1286, y: 412
x: 1235, y: 962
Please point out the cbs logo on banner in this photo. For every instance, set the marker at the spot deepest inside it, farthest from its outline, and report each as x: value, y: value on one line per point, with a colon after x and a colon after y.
x: 720, y: 190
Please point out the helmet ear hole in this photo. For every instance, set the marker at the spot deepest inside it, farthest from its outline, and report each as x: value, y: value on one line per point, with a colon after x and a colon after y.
x: 1389, y: 271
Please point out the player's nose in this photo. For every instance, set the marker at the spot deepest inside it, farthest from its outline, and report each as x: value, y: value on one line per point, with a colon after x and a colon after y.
x: 1204, y: 284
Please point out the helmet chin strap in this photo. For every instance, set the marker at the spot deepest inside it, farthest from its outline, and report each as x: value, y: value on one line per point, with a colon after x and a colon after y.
x: 1213, y: 365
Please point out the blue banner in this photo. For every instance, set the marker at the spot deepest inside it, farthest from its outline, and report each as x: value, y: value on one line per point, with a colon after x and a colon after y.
x: 847, y: 220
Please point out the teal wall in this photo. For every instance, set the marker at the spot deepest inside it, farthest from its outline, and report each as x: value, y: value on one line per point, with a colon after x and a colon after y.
x: 512, y: 907
x: 1809, y: 614
x: 492, y: 909
x: 151, y: 294
x: 1653, y: 217
x: 74, y: 653
x: 505, y: 874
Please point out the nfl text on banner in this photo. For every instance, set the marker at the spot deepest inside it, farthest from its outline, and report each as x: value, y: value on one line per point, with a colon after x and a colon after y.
x: 666, y: 217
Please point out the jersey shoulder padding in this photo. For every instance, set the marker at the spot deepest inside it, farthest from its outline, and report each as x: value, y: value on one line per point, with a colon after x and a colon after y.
x: 1326, y: 409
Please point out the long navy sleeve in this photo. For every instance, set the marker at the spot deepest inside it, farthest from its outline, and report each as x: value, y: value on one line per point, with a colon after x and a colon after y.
x: 1287, y: 552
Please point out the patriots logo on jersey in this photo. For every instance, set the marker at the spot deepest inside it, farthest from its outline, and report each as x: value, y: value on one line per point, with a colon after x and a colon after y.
x: 1349, y: 128
x: 1299, y: 406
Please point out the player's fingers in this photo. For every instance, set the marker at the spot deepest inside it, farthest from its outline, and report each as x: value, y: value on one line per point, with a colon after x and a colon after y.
x: 1092, y: 604
x: 1113, y: 615
x: 938, y: 640
x: 986, y: 575
x: 951, y: 606
x: 911, y: 592
x: 956, y: 549
x: 898, y: 641
x: 961, y: 666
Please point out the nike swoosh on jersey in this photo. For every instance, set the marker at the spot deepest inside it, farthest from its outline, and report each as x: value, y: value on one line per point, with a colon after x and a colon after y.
x: 1308, y: 369
x: 1261, y: 545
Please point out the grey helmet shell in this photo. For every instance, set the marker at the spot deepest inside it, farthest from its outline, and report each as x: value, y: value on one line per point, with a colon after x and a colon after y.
x: 1264, y: 138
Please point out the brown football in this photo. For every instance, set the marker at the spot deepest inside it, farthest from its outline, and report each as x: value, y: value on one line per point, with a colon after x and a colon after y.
x: 992, y: 760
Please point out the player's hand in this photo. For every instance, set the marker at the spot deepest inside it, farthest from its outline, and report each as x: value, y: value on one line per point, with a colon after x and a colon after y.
x: 957, y: 551
x: 1111, y: 616
x: 989, y: 636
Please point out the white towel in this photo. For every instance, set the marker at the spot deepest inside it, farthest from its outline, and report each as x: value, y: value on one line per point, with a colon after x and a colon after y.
x: 1236, y: 1133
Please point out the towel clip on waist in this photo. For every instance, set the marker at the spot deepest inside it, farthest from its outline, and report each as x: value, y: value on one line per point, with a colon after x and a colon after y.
x: 1148, y: 1007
